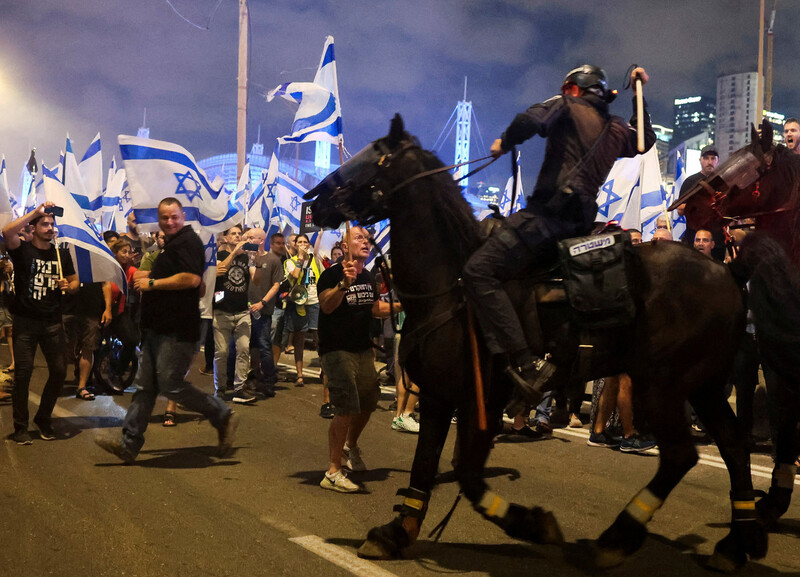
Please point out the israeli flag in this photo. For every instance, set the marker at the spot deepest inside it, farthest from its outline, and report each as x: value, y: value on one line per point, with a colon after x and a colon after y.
x: 157, y: 170
x: 94, y: 262
x: 382, y: 239
x: 73, y: 182
x: 118, y: 191
x: 632, y: 194
x: 91, y: 171
x: 6, y: 207
x: 243, y: 189
x: 678, y: 221
x: 319, y: 116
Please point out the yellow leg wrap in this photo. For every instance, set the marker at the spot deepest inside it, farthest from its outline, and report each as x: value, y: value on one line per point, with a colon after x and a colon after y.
x: 414, y: 503
x: 492, y: 505
x: 783, y: 476
x: 643, y: 506
x: 744, y: 505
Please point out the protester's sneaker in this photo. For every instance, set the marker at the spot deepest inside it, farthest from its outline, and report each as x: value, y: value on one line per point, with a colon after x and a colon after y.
x: 603, y: 440
x: 354, y: 462
x: 543, y: 428
x: 405, y: 424
x: 114, y: 446
x: 207, y: 371
x: 243, y: 396
x: 46, y: 432
x: 326, y: 411
x: 575, y: 421
x: 636, y: 444
x: 21, y: 437
x: 339, y: 482
x: 227, y: 433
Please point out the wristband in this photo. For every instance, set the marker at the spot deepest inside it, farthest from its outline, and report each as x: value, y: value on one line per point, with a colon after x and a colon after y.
x: 150, y: 284
x: 263, y: 304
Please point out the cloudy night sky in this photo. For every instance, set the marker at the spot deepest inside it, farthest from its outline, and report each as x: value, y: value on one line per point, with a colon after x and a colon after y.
x: 83, y: 66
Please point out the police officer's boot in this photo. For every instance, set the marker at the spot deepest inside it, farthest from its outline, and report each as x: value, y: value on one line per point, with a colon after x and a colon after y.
x: 530, y: 375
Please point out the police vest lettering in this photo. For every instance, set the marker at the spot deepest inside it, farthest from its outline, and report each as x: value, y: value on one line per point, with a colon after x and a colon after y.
x: 590, y: 245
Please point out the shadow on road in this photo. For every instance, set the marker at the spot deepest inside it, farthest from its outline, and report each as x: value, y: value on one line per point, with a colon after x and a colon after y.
x: 69, y: 427
x: 659, y: 556
x: 181, y: 458
x: 488, y: 473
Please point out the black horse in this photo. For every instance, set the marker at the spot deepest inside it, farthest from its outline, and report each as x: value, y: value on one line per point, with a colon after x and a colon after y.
x: 762, y: 181
x: 689, y: 317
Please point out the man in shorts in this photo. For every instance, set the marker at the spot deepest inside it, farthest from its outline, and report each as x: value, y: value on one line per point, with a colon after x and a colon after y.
x: 348, y: 300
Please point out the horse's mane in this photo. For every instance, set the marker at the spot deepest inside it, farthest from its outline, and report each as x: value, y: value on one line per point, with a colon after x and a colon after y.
x: 457, y: 221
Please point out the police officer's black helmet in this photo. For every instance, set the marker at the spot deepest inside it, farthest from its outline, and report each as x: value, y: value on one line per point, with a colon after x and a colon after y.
x: 590, y: 78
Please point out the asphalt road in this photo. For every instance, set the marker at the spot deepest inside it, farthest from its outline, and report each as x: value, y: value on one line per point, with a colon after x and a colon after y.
x: 68, y: 508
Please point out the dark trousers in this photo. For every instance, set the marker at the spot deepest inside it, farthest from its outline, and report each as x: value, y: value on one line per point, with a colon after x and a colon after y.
x: 28, y: 334
x: 261, y: 338
x: 163, y: 368
x: 526, y: 240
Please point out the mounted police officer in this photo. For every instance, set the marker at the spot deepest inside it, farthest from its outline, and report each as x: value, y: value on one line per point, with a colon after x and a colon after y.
x: 583, y: 142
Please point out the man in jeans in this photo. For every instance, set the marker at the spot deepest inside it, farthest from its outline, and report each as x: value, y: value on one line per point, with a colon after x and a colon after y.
x: 170, y: 328
x: 348, y: 300
x: 39, y: 282
x: 266, y: 277
x: 232, y: 316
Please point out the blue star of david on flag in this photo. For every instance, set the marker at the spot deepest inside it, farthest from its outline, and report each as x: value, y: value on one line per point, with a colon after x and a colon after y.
x: 271, y: 190
x: 90, y: 225
x: 191, y: 193
x: 211, y: 252
x: 608, y: 188
x: 295, y: 203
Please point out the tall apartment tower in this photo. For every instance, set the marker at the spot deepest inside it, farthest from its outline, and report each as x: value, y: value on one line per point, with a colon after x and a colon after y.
x: 691, y: 116
x: 737, y: 109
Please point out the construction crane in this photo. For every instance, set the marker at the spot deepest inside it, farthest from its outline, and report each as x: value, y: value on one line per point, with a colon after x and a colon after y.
x: 768, y: 79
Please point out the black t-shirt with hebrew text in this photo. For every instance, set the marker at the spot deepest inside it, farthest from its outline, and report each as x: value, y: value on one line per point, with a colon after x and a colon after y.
x: 347, y: 327
x: 36, y: 293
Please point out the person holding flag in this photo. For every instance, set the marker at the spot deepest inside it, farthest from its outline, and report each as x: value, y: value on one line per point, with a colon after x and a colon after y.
x: 41, y: 275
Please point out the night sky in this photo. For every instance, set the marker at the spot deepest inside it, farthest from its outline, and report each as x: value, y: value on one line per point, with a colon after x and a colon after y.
x: 82, y: 66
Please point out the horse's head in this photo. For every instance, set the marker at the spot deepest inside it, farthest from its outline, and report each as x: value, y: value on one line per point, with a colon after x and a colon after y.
x: 361, y: 187
x: 732, y: 181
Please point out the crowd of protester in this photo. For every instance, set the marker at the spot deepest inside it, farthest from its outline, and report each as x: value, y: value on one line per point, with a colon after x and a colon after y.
x: 269, y: 300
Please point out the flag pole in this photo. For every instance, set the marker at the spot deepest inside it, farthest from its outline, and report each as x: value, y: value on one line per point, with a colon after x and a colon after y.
x: 241, y: 116
x: 760, y: 104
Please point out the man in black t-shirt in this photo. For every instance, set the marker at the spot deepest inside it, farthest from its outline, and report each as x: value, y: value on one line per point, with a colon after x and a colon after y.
x: 39, y: 281
x: 232, y: 316
x: 170, y: 328
x: 348, y: 300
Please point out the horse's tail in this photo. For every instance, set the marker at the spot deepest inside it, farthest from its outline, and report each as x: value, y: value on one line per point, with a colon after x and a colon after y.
x: 774, y: 287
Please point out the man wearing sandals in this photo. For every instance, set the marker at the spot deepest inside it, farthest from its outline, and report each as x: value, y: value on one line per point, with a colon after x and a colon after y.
x: 39, y: 282
x: 169, y: 338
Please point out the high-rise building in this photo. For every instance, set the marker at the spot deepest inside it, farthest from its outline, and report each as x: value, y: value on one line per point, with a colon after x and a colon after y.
x: 663, y: 138
x: 737, y: 107
x: 693, y: 115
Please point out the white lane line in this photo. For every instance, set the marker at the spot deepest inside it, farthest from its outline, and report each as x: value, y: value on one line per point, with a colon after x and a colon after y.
x: 341, y: 557
x: 705, y: 459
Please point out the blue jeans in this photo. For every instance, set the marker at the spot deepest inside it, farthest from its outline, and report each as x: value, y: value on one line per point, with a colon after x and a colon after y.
x: 544, y: 409
x: 261, y: 338
x: 165, y: 362
x: 28, y: 334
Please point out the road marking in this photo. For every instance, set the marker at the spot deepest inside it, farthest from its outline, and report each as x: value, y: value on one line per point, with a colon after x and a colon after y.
x: 705, y: 459
x: 341, y: 557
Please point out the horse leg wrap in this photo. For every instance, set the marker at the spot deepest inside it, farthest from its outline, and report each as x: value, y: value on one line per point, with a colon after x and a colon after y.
x: 388, y: 541
x: 747, y: 536
x: 535, y: 524
x: 643, y: 506
x: 777, y: 502
x: 628, y: 531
